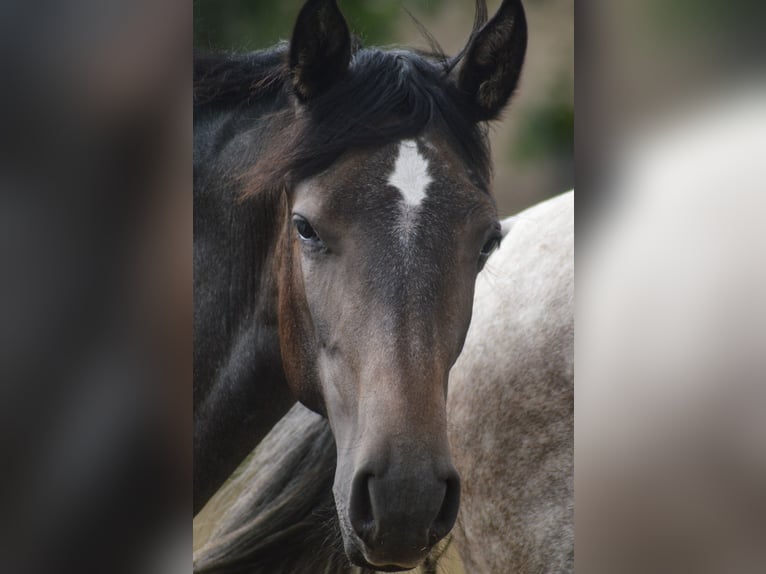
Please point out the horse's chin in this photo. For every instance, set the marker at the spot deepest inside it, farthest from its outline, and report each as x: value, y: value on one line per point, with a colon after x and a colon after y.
x: 357, y: 555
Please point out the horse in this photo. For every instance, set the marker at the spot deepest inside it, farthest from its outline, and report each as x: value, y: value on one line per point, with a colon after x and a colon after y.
x: 511, y: 431
x: 342, y: 212
x: 511, y: 402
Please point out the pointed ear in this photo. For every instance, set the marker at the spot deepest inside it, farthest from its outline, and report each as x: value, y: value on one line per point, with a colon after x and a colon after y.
x: 320, y: 49
x: 491, y: 67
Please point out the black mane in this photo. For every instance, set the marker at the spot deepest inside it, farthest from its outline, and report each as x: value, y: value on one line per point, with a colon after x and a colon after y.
x: 385, y: 96
x: 231, y: 79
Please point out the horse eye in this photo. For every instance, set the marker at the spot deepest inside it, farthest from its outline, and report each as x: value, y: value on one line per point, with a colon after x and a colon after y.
x: 491, y: 244
x: 487, y: 249
x: 305, y: 231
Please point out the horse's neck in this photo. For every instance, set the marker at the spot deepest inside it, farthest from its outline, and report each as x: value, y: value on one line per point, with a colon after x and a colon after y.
x: 239, y: 385
x: 235, y: 245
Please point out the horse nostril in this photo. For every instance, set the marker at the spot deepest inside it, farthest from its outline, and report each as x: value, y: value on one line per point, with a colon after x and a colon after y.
x: 445, y: 520
x: 360, y: 506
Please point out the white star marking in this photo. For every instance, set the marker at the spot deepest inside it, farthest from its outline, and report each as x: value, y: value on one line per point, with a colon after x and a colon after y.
x: 411, y: 178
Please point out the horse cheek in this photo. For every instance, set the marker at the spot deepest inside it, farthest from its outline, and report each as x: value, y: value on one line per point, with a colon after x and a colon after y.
x: 296, y: 347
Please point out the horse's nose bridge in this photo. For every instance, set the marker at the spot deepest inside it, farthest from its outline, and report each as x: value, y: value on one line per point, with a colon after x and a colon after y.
x: 402, y: 381
x: 411, y: 286
x: 403, y: 421
x: 411, y: 338
x: 406, y: 389
x: 406, y: 453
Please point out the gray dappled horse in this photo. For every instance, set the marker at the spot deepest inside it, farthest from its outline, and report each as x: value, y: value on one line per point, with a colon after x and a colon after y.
x: 342, y: 212
x: 511, y: 402
x: 511, y: 432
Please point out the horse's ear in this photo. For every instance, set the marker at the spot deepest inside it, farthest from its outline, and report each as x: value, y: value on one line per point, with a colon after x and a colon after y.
x: 492, y: 64
x: 320, y: 49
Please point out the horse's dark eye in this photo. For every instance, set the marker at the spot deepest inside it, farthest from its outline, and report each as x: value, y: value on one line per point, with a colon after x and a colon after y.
x: 491, y: 244
x: 304, y: 229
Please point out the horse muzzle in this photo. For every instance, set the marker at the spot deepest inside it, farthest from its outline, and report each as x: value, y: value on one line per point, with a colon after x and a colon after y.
x: 397, y: 517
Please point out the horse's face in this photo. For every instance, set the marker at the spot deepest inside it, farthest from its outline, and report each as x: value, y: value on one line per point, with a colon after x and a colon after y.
x: 379, y: 259
x: 384, y: 251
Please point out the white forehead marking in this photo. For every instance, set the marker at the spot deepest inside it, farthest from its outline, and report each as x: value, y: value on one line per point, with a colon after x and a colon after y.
x: 411, y: 178
x: 410, y: 174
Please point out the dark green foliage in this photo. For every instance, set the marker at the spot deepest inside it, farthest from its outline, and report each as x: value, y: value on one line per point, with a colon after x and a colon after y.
x: 547, y: 129
x: 255, y: 24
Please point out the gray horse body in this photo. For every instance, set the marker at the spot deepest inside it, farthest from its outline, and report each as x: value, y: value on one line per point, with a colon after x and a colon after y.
x: 510, y: 417
x: 511, y: 402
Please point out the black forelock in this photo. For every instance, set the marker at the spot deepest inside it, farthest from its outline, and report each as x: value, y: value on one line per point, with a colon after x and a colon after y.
x: 387, y: 96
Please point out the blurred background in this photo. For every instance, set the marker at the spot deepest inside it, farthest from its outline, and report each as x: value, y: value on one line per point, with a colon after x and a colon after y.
x: 533, y: 145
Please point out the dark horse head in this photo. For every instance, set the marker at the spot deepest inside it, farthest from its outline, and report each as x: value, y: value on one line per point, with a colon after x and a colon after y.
x: 378, y: 165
